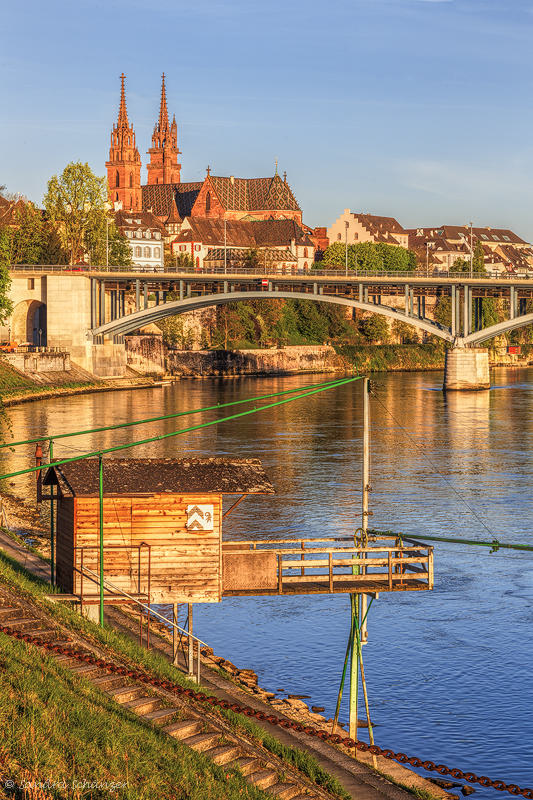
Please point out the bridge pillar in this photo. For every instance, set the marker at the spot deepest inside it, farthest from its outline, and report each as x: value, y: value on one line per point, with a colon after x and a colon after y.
x: 466, y: 369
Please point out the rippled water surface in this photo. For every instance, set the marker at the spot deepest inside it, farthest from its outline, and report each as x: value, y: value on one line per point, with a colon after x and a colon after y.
x: 449, y: 672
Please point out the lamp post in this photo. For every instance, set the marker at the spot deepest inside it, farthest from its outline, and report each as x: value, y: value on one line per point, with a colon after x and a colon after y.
x: 471, y: 252
x: 346, y: 225
x: 107, y: 206
x: 427, y: 259
x: 225, y: 249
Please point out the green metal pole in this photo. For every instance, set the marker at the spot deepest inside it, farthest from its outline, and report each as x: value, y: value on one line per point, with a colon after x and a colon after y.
x: 52, y: 532
x: 354, y: 668
x: 101, y: 509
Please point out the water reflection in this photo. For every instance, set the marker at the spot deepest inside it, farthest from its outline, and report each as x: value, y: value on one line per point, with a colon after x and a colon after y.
x: 448, y: 671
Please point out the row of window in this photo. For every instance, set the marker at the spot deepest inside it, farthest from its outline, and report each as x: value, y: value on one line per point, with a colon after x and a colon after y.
x: 147, y: 234
x: 146, y: 252
x: 355, y: 237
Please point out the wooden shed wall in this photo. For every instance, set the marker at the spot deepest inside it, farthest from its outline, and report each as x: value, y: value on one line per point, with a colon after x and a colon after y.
x: 186, y: 565
x: 65, y: 544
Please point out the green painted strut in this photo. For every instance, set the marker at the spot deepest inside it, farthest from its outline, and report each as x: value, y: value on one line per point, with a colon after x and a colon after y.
x: 168, y: 416
x: 161, y: 437
x: 495, y: 544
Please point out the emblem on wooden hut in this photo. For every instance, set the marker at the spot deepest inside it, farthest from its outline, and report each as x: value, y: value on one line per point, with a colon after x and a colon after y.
x: 200, y: 518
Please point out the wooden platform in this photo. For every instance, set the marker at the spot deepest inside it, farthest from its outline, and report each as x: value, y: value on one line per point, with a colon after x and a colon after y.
x: 325, y: 566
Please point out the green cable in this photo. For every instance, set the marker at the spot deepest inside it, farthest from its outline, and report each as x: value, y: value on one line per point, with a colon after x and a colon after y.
x: 162, y: 436
x: 167, y: 416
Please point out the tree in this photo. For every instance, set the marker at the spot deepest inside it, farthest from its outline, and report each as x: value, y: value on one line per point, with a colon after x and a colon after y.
x: 181, y: 262
x: 478, y: 260
x: 75, y: 202
x: 32, y: 239
x: 251, y: 259
x: 105, y: 244
x: 369, y: 257
x: 375, y: 328
x: 407, y: 334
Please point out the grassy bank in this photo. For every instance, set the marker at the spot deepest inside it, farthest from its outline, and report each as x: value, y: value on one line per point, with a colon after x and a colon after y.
x: 58, y: 728
x: 14, y: 385
x: 393, y: 357
x: 219, y: 782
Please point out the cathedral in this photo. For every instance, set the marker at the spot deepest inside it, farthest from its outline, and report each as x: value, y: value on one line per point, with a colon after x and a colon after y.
x: 171, y: 200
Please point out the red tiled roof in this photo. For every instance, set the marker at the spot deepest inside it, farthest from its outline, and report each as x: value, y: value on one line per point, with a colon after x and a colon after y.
x: 254, y: 194
x: 256, y: 233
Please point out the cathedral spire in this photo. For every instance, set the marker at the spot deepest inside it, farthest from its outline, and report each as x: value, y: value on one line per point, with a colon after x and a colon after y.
x: 163, y: 112
x: 122, y: 113
x: 124, y: 163
x: 164, y: 166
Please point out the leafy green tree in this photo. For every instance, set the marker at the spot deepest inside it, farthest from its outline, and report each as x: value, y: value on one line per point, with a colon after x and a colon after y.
x: 75, y: 202
x: 181, y: 262
x: 31, y: 240
x: 369, y: 257
x: 375, y: 328
x: 251, y: 259
x: 103, y: 239
x: 478, y: 260
x: 407, y: 334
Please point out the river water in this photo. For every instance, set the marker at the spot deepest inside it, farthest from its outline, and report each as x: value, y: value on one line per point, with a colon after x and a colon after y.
x: 449, y: 672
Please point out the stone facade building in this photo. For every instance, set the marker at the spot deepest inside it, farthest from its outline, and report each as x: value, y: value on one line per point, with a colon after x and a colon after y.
x: 355, y: 228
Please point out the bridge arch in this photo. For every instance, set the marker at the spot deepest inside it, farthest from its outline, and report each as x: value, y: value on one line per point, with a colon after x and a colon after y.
x: 138, y: 319
x: 495, y: 330
x: 28, y: 318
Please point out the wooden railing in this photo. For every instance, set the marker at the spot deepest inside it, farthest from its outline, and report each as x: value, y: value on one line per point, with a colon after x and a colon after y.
x: 384, y: 564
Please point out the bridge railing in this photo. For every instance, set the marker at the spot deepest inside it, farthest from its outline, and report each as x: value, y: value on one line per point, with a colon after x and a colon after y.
x: 260, y: 272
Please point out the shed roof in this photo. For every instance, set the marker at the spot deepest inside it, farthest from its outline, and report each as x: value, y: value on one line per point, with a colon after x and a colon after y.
x: 146, y: 476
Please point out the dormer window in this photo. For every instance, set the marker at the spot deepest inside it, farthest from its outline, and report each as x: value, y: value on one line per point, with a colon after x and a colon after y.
x: 208, y: 203
x: 148, y: 234
x: 139, y: 234
x: 157, y: 235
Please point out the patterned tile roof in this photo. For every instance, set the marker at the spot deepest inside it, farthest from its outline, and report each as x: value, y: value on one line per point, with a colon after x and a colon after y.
x: 173, y: 201
x: 254, y: 194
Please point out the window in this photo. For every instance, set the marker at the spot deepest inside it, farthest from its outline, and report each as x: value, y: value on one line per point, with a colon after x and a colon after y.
x: 506, y: 238
x: 128, y: 234
x: 148, y: 234
x: 157, y: 252
x: 131, y: 180
x: 355, y: 237
x: 117, y: 180
x: 147, y: 252
x: 197, y: 246
x: 31, y: 283
x: 138, y: 252
x: 208, y: 203
x: 484, y: 236
x: 116, y: 197
x: 157, y: 235
x: 183, y: 247
x: 305, y: 252
x: 339, y: 237
x: 138, y: 234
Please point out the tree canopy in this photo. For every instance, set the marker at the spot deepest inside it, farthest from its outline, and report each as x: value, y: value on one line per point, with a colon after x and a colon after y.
x: 369, y: 257
x: 75, y: 202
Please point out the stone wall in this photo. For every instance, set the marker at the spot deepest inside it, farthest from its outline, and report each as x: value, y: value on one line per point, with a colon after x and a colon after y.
x: 39, y: 362
x: 276, y: 361
x: 146, y: 353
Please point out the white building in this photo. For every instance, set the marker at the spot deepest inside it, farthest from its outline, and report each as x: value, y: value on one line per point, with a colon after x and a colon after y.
x: 145, y: 235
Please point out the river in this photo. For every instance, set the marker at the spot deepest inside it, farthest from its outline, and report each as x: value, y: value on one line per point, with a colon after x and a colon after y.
x: 448, y: 671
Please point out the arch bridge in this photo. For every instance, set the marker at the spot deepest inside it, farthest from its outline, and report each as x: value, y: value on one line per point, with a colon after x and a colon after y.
x: 396, y: 297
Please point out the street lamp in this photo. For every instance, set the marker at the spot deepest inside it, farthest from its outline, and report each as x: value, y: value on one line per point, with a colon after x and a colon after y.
x: 471, y: 252
x: 225, y: 249
x: 346, y: 225
x: 427, y: 259
x: 107, y: 206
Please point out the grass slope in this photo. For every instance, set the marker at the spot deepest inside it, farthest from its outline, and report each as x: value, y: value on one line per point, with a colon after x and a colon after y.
x: 15, y: 576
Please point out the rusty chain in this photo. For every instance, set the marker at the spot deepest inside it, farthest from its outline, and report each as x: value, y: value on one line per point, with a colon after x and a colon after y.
x: 248, y: 711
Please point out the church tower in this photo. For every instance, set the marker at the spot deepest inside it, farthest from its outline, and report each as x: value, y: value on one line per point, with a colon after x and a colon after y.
x: 163, y: 166
x: 124, y: 165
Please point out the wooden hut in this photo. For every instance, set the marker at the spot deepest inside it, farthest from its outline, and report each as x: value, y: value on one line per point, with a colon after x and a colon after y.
x: 162, y: 523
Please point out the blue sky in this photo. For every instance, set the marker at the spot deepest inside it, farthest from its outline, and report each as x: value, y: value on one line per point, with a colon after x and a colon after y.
x: 419, y: 109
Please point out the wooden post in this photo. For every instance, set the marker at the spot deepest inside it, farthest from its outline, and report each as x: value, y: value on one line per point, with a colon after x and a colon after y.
x: 354, y: 669
x: 174, y: 634
x: 190, y: 665
x: 330, y: 571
